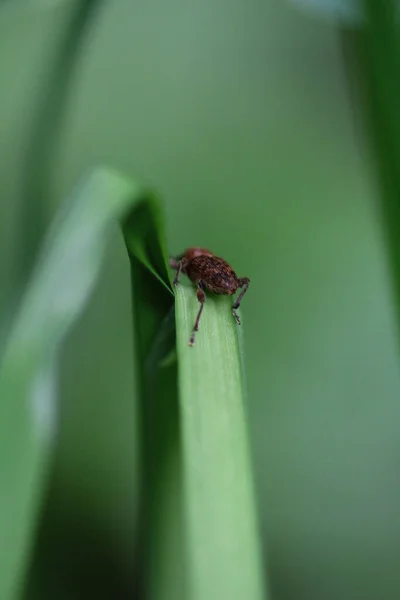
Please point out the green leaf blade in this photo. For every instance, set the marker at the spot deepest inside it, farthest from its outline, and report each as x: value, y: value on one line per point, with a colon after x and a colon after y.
x: 223, y: 542
x: 60, y: 286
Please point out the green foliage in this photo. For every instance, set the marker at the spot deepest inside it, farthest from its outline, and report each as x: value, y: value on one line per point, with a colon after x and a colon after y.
x: 381, y: 52
x: 224, y: 554
x: 58, y: 290
x: 41, y: 150
x: 69, y: 265
x: 244, y: 121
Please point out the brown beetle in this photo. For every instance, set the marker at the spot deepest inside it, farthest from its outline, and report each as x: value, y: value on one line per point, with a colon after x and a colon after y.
x: 211, y: 273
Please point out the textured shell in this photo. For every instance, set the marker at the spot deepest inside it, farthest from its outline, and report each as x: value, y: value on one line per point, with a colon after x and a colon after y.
x: 193, y: 252
x: 215, y: 273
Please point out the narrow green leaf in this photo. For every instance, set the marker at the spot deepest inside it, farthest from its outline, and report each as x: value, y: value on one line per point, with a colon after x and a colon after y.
x: 154, y: 339
x: 223, y: 542
x: 43, y: 140
x: 59, y: 288
x: 381, y: 54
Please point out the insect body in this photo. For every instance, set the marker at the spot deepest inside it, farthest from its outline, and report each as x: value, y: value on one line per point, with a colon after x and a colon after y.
x: 209, y: 273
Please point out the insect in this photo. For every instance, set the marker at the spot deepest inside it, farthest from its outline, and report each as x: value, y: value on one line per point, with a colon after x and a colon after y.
x: 211, y: 273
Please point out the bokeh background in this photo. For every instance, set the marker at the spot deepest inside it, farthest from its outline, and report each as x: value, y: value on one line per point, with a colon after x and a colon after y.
x: 241, y: 115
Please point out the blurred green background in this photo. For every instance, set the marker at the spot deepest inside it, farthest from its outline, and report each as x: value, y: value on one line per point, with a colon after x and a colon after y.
x: 240, y: 114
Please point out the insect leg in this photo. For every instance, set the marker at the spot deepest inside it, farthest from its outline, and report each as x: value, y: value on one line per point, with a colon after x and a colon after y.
x: 201, y: 297
x: 244, y: 284
x: 178, y: 265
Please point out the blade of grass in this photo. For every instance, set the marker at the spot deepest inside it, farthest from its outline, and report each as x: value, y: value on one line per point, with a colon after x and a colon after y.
x: 158, y: 409
x: 43, y: 141
x: 223, y: 542
x: 58, y: 290
x: 381, y: 54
